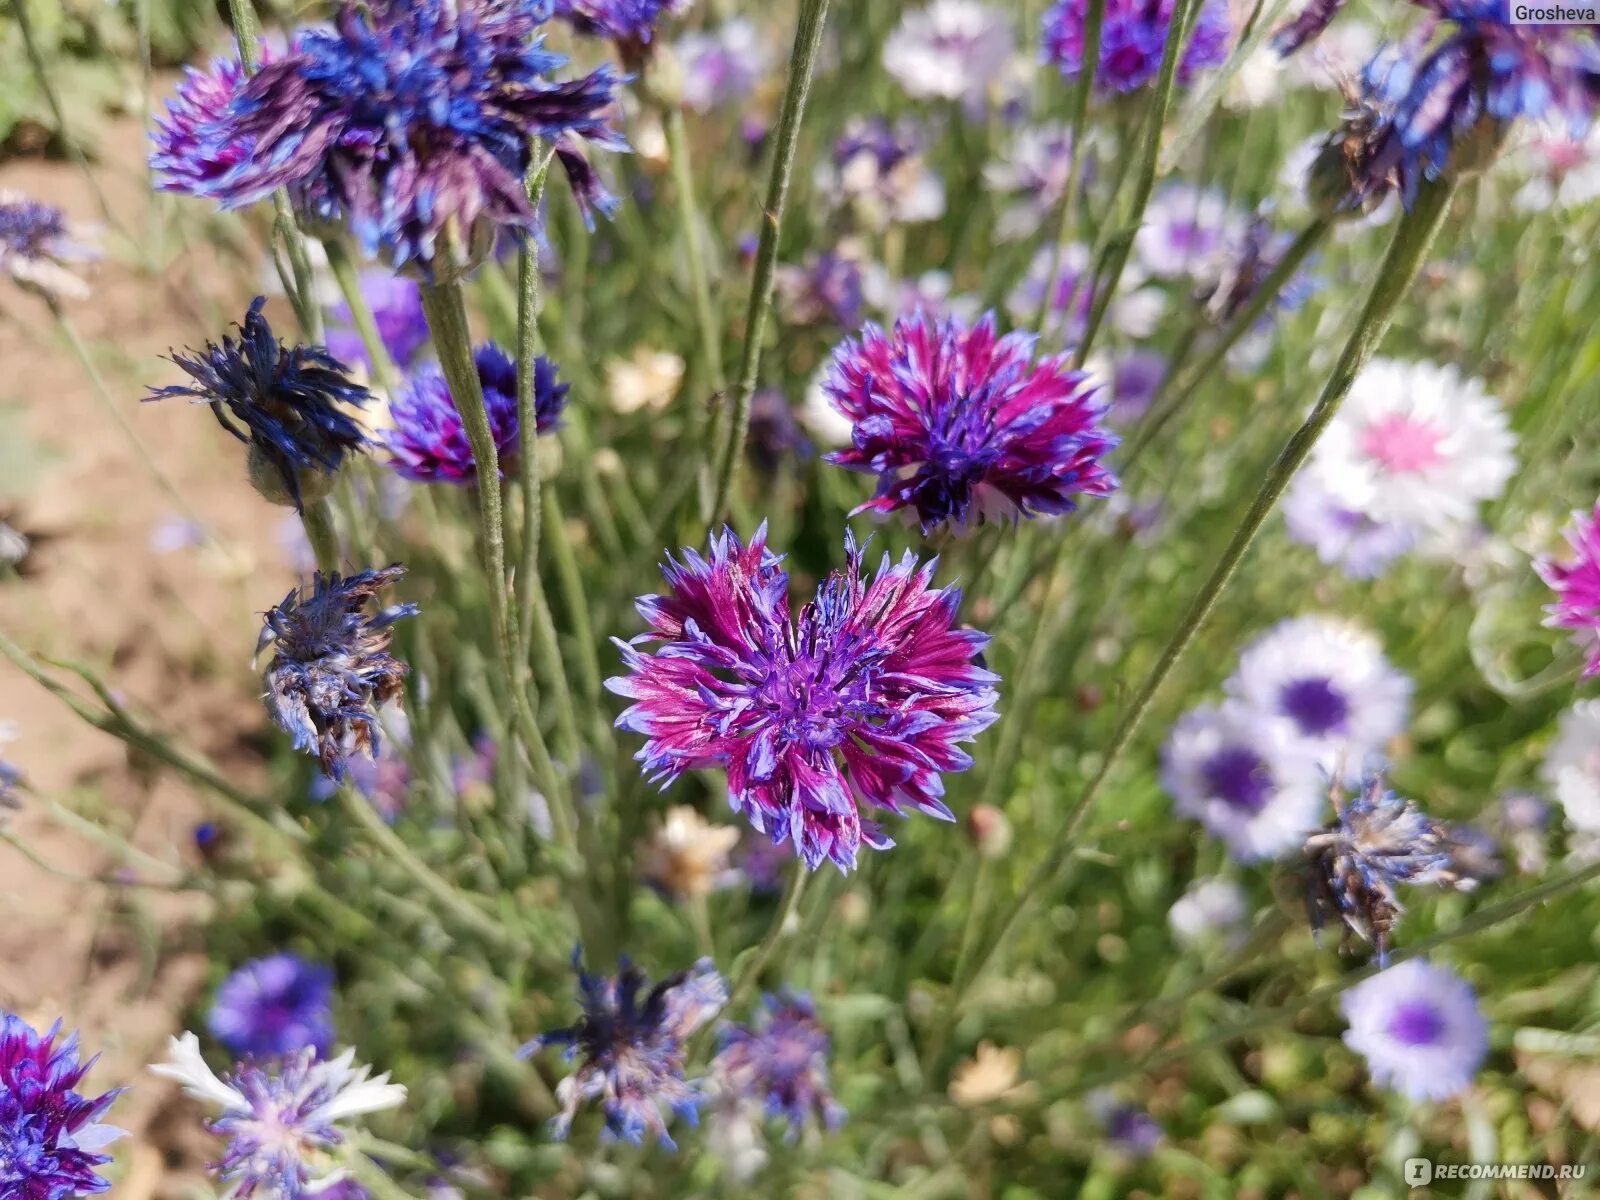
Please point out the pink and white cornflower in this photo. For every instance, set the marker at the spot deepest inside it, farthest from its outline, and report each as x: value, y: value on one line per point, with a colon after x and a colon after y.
x: 950, y: 50
x: 1211, y: 912
x: 633, y: 1039
x: 40, y: 249
x: 1342, y: 537
x: 1571, y: 766
x: 1133, y: 35
x: 1563, y: 172
x: 51, y: 1136
x: 1189, y: 232
x: 1419, y: 1028
x: 865, y: 699
x: 1245, y: 777
x: 1576, y: 582
x: 1032, y: 174
x: 1329, y: 678
x: 722, y: 66
x: 282, y: 1119
x: 961, y: 425
x: 1416, y: 444
x: 1135, y: 311
x: 879, y: 174
x: 781, y: 1061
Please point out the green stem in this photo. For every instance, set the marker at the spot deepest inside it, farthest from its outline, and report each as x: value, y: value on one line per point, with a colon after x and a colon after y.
x: 529, y: 585
x: 345, y: 275
x: 317, y: 518
x: 690, y: 221
x: 807, y: 41
x: 754, y: 961
x: 570, y: 579
x: 1412, y: 241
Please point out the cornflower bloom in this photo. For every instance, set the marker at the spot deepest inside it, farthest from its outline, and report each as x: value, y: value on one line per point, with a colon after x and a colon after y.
x: 428, y: 443
x: 396, y: 304
x: 722, y: 66
x: 274, y: 1007
x: 687, y: 856
x: 961, y: 425
x: 1359, y: 546
x: 1419, y: 1028
x: 1210, y: 911
x: 39, y: 248
x: 290, y: 404
x: 826, y: 289
x: 331, y: 669
x: 1571, y: 766
x: 878, y: 172
x: 630, y: 23
x: 1577, y: 586
x: 1032, y: 173
x: 1189, y: 232
x: 782, y: 1063
x: 865, y: 698
x: 632, y: 1040
x: 190, y: 153
x: 10, y: 774
x: 951, y: 50
x: 281, y: 1119
x: 51, y: 1137
x: 1133, y: 35
x: 776, y: 436
x: 1128, y: 1128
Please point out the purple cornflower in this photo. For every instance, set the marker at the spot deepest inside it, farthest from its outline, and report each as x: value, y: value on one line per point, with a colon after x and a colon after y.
x: 1136, y: 379
x: 632, y: 1040
x: 291, y: 401
x: 723, y: 65
x: 280, y: 1119
x: 1132, y: 37
x: 630, y: 23
x: 1244, y: 266
x: 1577, y: 586
x: 825, y: 290
x: 1361, y: 547
x: 331, y: 668
x: 406, y: 119
x: 1128, y: 1128
x: 274, y: 1007
x: 781, y: 1062
x: 10, y: 775
x: 878, y: 171
x: 1378, y: 841
x: 396, y: 304
x: 1032, y: 173
x: 866, y: 698
x: 962, y: 425
x: 192, y: 152
x: 50, y: 1134
x: 39, y: 247
x: 1419, y: 1028
x: 776, y: 436
x: 428, y: 442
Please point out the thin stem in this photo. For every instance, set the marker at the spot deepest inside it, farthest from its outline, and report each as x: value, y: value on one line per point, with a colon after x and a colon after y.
x: 344, y: 273
x: 570, y: 578
x: 807, y: 41
x: 1412, y: 240
x: 529, y: 585
x: 317, y: 518
x: 754, y: 961
x: 690, y: 220
x: 110, y: 880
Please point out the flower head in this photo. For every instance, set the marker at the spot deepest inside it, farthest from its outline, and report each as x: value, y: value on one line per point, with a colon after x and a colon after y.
x: 1132, y: 37
x: 1190, y: 232
x: 782, y: 1062
x: 1342, y: 537
x: 826, y: 289
x: 193, y: 149
x: 1210, y: 911
x: 1571, y: 766
x: 1136, y: 310
x: 960, y: 424
x: 10, y: 774
x: 1033, y: 173
x: 687, y: 855
x: 39, y: 247
x: 866, y: 697
x: 951, y: 50
x: 632, y: 1039
x: 281, y: 1119
x: 428, y: 442
x: 274, y: 1007
x: 879, y: 173
x: 1128, y: 1128
x: 396, y: 304
x: 776, y: 436
x: 407, y: 119
x: 331, y: 668
x: 50, y: 1133
x: 722, y: 66
x: 628, y: 22
x: 1577, y: 586
x: 1419, y: 1028
x: 291, y: 402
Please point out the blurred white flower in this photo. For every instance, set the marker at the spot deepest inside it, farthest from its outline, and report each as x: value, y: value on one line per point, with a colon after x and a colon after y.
x: 1572, y: 765
x: 952, y: 50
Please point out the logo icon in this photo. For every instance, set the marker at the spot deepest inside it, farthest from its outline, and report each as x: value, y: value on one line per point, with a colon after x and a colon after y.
x: 1418, y: 1172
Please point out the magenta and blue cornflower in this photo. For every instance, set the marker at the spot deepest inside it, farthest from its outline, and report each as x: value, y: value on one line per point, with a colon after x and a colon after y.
x: 961, y: 425
x: 273, y: 1007
x: 627, y: 22
x: 631, y: 1041
x: 396, y: 305
x: 428, y: 443
x: 781, y: 1062
x: 51, y: 1136
x: 866, y: 698
x: 192, y: 150
x: 1133, y: 35
x: 331, y: 669
x: 287, y: 403
x: 404, y: 119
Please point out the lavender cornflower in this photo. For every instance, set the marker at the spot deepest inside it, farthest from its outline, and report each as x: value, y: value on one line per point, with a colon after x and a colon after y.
x: 10, y: 775
x: 866, y: 698
x: 951, y: 50
x: 409, y: 120
x: 1212, y: 911
x: 1128, y: 1128
x: 274, y: 1007
x: 39, y: 248
x: 396, y: 304
x: 878, y: 172
x: 722, y: 66
x: 428, y: 443
x: 1360, y: 546
x: 776, y: 436
x: 1419, y: 1028
x: 781, y: 1062
x: 1577, y: 586
x: 331, y: 668
x: 290, y: 400
x: 629, y: 23
x: 1244, y: 267
x: 50, y: 1133
x: 825, y: 289
x: 1032, y: 173
x: 1190, y: 232
x: 1376, y: 842
x: 632, y: 1040
x: 281, y: 1119
x: 1132, y: 37
x: 962, y: 425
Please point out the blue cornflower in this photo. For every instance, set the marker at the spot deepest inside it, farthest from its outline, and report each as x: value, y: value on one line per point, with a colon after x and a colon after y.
x: 408, y: 119
x: 274, y: 1007
x: 50, y: 1134
x: 331, y: 668
x: 782, y: 1063
x: 629, y: 23
x: 1133, y: 35
x: 290, y: 400
x: 632, y: 1040
x: 428, y: 442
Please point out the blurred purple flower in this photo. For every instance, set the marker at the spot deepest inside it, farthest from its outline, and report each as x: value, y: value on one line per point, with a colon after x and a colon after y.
x: 274, y: 1007
x: 1576, y: 582
x: 1419, y: 1028
x: 722, y: 66
x: 776, y: 436
x: 628, y: 22
x: 1132, y: 38
x: 1352, y: 541
x: 39, y: 247
x: 396, y: 304
x: 781, y: 1062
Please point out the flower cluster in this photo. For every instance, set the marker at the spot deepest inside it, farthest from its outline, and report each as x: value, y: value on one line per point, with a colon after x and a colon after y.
x: 1577, y: 586
x: 274, y: 1007
x: 51, y: 1137
x: 866, y: 697
x: 782, y: 1063
x: 39, y: 248
x: 1132, y: 36
x: 722, y: 66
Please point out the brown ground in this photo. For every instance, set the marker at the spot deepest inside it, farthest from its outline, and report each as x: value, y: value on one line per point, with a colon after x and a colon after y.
x: 172, y: 632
